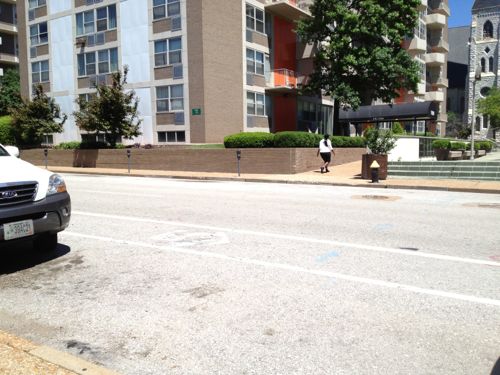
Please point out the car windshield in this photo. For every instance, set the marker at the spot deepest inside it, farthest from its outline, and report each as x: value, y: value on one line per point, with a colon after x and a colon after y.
x: 3, y: 152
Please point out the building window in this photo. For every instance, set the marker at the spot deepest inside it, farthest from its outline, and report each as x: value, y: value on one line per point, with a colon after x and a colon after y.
x: 168, y: 51
x: 166, y: 8
x: 478, y: 123
x: 107, y: 62
x: 488, y: 30
x: 40, y: 71
x: 255, y: 19
x: 36, y: 3
x: 484, y: 91
x: 491, y: 61
x: 39, y: 34
x: 100, y: 19
x: 255, y: 62
x: 485, y: 122
x: 483, y: 65
x: 171, y: 137
x: 170, y: 98
x: 256, y: 104
x: 87, y: 97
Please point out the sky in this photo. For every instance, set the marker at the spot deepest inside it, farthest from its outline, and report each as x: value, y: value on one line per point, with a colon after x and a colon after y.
x: 460, y: 13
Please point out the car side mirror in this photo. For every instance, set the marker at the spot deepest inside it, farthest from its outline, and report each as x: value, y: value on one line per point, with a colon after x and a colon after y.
x: 13, y: 151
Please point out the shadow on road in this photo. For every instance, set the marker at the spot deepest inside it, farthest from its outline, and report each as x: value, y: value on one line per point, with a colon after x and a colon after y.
x: 496, y: 368
x: 22, y: 256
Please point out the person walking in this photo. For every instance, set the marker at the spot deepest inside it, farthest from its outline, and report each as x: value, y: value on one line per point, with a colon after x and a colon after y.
x: 325, y: 150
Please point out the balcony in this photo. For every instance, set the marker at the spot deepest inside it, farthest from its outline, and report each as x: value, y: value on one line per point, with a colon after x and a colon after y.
x: 435, y: 59
x: 8, y: 28
x: 284, y: 81
x: 434, y: 96
x: 416, y: 45
x: 440, y: 8
x: 435, y: 21
x: 291, y: 10
x: 437, y: 84
x: 441, y: 47
x: 7, y: 58
x: 423, y: 5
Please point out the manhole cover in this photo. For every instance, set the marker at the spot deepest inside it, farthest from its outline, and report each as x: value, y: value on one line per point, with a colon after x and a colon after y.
x: 377, y: 197
x: 483, y: 205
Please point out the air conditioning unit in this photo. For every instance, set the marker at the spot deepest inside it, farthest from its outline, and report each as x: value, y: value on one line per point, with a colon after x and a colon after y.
x: 81, y: 41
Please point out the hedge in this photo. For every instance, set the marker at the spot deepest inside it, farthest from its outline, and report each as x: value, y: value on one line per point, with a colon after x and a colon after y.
x: 288, y: 139
x: 442, y: 144
x: 249, y: 140
x: 457, y: 146
x: 476, y: 146
x: 85, y: 145
x: 6, y: 131
x: 485, y: 145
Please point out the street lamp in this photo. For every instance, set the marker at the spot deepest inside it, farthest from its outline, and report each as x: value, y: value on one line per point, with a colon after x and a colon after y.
x: 477, y: 77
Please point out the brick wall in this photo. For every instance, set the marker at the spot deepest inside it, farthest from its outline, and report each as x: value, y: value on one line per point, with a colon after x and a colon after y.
x: 266, y: 161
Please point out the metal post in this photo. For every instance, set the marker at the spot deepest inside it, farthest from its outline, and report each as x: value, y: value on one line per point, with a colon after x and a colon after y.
x: 45, y: 154
x: 238, y: 157
x: 128, y: 160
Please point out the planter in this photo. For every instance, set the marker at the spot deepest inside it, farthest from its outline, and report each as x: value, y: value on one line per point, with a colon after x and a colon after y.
x: 466, y: 155
x: 367, y: 160
x: 441, y: 153
x: 455, y: 155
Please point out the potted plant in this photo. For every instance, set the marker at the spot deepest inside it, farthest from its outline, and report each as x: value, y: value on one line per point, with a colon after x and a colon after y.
x: 441, y: 148
x: 456, y: 150
x: 380, y: 143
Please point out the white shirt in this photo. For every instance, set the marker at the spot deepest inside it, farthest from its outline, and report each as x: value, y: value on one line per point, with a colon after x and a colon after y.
x: 325, y: 148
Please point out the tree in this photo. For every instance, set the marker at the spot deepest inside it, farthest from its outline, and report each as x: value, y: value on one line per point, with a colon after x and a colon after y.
x: 359, y: 55
x: 10, y: 91
x: 112, y: 111
x: 490, y: 106
x: 456, y: 127
x: 34, y: 119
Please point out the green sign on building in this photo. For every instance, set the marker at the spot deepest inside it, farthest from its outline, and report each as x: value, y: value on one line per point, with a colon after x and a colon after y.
x: 196, y: 111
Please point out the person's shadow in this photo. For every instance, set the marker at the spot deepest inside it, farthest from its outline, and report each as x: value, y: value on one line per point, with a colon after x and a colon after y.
x: 496, y: 368
x: 22, y: 256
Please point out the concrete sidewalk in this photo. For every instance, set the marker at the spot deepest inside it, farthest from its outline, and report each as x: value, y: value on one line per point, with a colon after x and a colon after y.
x: 20, y: 356
x: 342, y: 175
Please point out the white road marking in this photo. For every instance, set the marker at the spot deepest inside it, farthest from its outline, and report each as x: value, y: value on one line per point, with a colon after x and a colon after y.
x: 118, y: 193
x: 296, y: 238
x: 296, y: 269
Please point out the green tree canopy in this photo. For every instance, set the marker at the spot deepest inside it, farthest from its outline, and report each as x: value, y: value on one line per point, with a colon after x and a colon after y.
x: 490, y: 106
x: 359, y: 49
x: 10, y: 94
x: 34, y: 119
x: 112, y: 111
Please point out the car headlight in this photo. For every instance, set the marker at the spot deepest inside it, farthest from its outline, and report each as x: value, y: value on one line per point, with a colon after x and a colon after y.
x: 56, y: 185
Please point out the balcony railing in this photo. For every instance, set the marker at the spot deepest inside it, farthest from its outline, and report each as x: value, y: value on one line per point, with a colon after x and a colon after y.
x: 285, y: 78
x: 435, y: 21
x: 292, y: 10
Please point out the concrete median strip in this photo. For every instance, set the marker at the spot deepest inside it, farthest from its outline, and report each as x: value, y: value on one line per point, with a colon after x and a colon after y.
x: 20, y: 356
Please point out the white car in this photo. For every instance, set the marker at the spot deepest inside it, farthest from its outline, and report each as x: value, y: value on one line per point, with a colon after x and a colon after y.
x: 34, y: 203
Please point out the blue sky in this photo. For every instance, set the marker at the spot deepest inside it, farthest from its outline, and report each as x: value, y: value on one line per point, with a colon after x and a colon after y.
x: 460, y: 13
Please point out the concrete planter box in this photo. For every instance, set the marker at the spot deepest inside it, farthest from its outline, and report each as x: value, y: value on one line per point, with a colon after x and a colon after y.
x: 261, y: 160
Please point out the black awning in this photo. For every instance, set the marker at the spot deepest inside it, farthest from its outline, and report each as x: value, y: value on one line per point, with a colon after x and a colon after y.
x: 391, y: 113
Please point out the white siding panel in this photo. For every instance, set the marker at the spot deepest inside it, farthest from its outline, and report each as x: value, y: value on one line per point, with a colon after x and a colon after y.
x: 70, y: 133
x: 134, y: 28
x: 59, y: 6
x: 61, y: 47
x: 145, y: 113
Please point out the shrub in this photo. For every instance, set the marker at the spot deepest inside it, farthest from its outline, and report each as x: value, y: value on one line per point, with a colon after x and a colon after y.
x: 339, y: 142
x: 442, y: 144
x: 249, y: 140
x: 379, y: 142
x: 120, y: 146
x: 297, y: 139
x: 68, y: 146
x: 6, y: 131
x: 457, y: 146
x: 485, y: 145
x: 397, y: 128
x: 93, y: 145
x: 476, y: 146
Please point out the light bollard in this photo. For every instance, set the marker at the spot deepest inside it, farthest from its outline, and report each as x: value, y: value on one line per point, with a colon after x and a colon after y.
x: 45, y: 156
x: 128, y: 160
x: 238, y: 157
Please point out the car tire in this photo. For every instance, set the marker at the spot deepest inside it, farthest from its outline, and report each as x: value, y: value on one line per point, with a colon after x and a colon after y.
x: 46, y: 242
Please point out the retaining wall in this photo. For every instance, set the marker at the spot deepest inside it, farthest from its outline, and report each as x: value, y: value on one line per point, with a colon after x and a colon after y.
x: 262, y: 160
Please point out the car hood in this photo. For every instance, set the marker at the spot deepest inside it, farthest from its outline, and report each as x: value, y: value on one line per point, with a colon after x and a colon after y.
x: 16, y: 170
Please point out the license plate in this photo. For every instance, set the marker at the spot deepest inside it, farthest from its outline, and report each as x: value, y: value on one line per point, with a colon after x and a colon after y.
x: 18, y: 229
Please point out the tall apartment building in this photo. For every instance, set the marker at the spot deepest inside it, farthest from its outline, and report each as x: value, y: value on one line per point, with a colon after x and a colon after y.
x: 202, y: 69
x: 8, y: 35
x: 429, y: 47
x: 483, y: 59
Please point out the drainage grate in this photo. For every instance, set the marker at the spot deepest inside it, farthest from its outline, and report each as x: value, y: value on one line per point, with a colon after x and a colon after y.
x: 377, y: 197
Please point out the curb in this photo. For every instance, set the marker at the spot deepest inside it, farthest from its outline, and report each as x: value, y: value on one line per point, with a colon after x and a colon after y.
x: 49, y: 357
x: 297, y: 182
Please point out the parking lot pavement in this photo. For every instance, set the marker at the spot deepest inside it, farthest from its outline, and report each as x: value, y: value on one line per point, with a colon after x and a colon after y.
x: 159, y: 276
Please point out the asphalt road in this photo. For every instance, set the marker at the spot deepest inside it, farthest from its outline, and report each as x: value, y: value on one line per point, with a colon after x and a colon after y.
x: 158, y: 276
